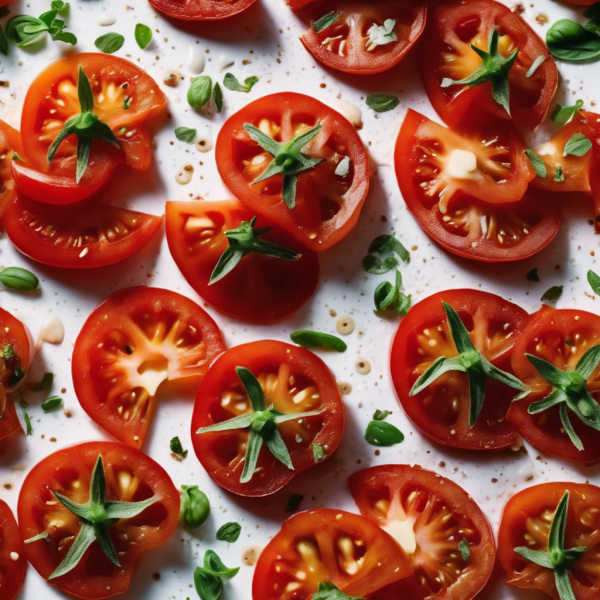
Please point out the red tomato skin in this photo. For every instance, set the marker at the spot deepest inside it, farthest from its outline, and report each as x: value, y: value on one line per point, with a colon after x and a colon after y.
x: 453, y: 106
x: 201, y: 10
x: 324, y: 235
x: 386, y: 559
x: 95, y: 578
x: 13, y: 571
x: 256, y: 356
x: 480, y: 437
x: 10, y: 142
x: 272, y: 289
x: 32, y: 227
x: 400, y: 480
x: 528, y: 503
x: 362, y: 62
x: 9, y: 424
x: 87, y: 361
x: 552, y: 438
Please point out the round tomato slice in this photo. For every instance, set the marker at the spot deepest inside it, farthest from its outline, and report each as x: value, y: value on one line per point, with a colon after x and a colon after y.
x: 560, y: 337
x: 346, y: 44
x: 294, y: 380
x: 10, y: 142
x: 429, y: 516
x: 129, y: 345
x: 13, y: 562
x: 327, y: 205
x: 272, y: 288
x: 446, y: 53
x: 328, y: 546
x: 201, y: 10
x: 131, y: 476
x: 116, y: 83
x: 441, y: 411
x: 526, y: 523
x: 81, y: 238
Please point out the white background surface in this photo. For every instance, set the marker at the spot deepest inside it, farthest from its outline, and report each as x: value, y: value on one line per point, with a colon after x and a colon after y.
x: 266, y: 37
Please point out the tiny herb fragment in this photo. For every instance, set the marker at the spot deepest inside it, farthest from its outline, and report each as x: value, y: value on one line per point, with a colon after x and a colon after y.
x: 380, y: 35
x: 230, y: 532
x: 294, y: 503
x: 51, y: 403
x: 310, y: 339
x: 326, y: 21
x: 553, y: 294
x: 382, y: 103
x: 381, y: 415
x: 28, y: 426
x: 537, y: 63
x: 143, y: 35
x: 195, y: 507
x: 109, y: 42
x: 44, y: 384
x: 200, y: 91
x: 388, y: 243
x: 231, y: 83
x: 328, y: 591
x: 389, y: 296
x: 561, y: 115
x: 3, y: 42
x: 579, y: 145
x: 558, y: 174
x: 539, y: 166
x: 177, y: 448
x: 22, y: 280
x: 533, y: 275
x: 318, y: 452
x: 375, y: 266
x: 380, y: 433
x: 465, y: 552
x: 218, y: 96
x: 187, y: 135
x: 594, y: 281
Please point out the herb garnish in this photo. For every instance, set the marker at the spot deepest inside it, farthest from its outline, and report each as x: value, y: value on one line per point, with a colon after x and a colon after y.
x: 579, y: 145
x: 380, y: 35
x: 572, y: 41
x: 553, y: 294
x: 326, y: 21
x: 380, y: 433
x: 382, y: 103
x: 51, y: 403
x: 539, y: 166
x: 230, y: 532
x: 231, y: 83
x: 177, y: 448
x: 310, y: 339
x: 328, y: 591
x: 561, y: 115
x: 143, y: 35
x: 195, y: 507
x: 109, y: 42
x: 44, y: 384
x: 200, y: 91
x: 24, y: 30
x: 207, y: 579
x: 187, y: 135
x: 318, y: 452
x: 465, y: 552
x: 16, y: 278
x: 594, y: 281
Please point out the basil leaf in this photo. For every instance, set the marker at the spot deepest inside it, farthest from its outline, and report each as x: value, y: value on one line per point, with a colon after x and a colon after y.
x: 109, y: 42
x: 386, y: 293
x: 24, y: 31
x: 143, y: 35
x: 381, y: 103
x: 28, y: 426
x: 568, y: 40
x: 22, y: 280
x: 578, y: 145
x: 381, y: 415
x: 328, y: 591
x: 310, y: 339
x: 383, y: 244
x: 318, y: 452
x: 208, y: 586
x: 539, y: 166
x: 553, y: 294
x: 561, y: 114
x: 195, y: 507
x: 200, y: 91
x: 218, y: 97
x: 465, y: 552
x: 294, y: 503
x: 375, y: 266
x: 533, y: 275
x: 177, y: 448
x: 51, y: 403
x: 402, y: 304
x: 326, y: 21
x: 231, y: 83
x: 230, y: 532
x: 381, y: 433
x: 44, y: 384
x: 594, y: 281
x: 187, y: 135
x: 214, y: 564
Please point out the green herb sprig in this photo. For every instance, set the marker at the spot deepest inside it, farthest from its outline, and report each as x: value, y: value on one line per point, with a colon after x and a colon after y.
x: 207, y: 579
x: 24, y: 31
x: 569, y: 40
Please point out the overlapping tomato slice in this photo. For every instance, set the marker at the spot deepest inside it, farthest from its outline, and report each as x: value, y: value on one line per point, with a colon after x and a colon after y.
x: 13, y: 562
x: 10, y: 142
x: 201, y: 10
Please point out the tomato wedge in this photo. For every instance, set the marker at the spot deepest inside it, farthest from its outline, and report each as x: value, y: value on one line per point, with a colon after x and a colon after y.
x: 526, y: 523
x: 201, y: 10
x: 429, y: 516
x: 293, y: 380
x: 10, y: 142
x: 345, y: 45
x: 116, y: 83
x: 131, y: 476
x: 328, y: 546
x: 13, y: 563
x: 327, y: 205
x: 560, y: 337
x: 441, y: 410
x: 272, y: 288
x: 82, y: 238
x: 129, y: 345
x: 446, y: 53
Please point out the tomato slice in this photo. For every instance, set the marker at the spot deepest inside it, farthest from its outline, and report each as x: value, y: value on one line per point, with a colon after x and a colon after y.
x: 131, y: 476
x: 132, y: 342
x: 116, y: 83
x: 526, y: 522
x: 13, y: 563
x: 446, y: 53
x: 441, y: 411
x: 81, y: 238
x: 201, y: 10
x: 327, y: 205
x: 428, y: 515
x: 345, y: 46
x: 328, y: 546
x: 272, y: 288
x: 294, y: 380
x: 10, y: 142
x: 560, y: 337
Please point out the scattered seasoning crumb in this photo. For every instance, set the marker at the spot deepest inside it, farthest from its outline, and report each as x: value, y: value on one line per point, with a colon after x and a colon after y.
x: 156, y: 576
x: 363, y: 367
x: 344, y: 387
x: 250, y: 556
x: 184, y: 176
x: 333, y: 313
x: 345, y: 326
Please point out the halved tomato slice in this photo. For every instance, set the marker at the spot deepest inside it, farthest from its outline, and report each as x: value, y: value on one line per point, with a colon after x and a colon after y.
x: 345, y: 45
x: 129, y: 345
x: 328, y: 546
x: 13, y: 562
x: 429, y: 516
x: 201, y: 10
x: 81, y: 238
x: 441, y: 411
x: 10, y: 142
x: 271, y: 288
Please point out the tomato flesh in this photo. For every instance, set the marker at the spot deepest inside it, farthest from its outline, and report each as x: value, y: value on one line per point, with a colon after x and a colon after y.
x: 428, y: 516
x: 328, y: 546
x: 129, y: 345
x: 327, y: 205
x: 12, y: 572
x: 130, y: 477
x: 10, y: 142
x: 201, y: 10
x: 441, y: 411
x: 293, y: 380
x: 526, y: 522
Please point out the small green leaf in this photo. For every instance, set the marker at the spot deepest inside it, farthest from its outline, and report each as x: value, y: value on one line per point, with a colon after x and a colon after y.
x: 22, y: 280
x: 382, y: 103
x: 44, y: 384
x: 218, y: 96
x: 328, y: 591
x: 375, y: 266
x: 402, y: 304
x: 51, y: 403
x: 310, y: 339
x: 215, y: 565
x: 553, y: 294
x: 579, y: 145
x: 28, y: 426
x: 195, y: 506
x: 208, y: 586
x: 594, y: 281
x: 561, y: 114
x: 558, y: 174
x: 539, y: 166
x: 465, y: 552
x: 380, y: 35
x: 109, y: 42
x: 381, y: 433
x: 187, y: 135
x: 326, y: 21
x: 318, y: 452
x: 230, y: 532
x: 177, y: 448
x: 383, y: 244
x: 381, y: 415
x: 143, y: 35
x: 294, y: 503
x: 200, y: 91
x: 231, y: 83
x: 533, y: 275
x: 568, y: 40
